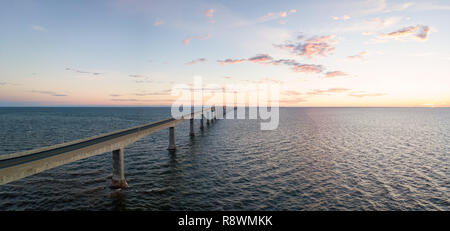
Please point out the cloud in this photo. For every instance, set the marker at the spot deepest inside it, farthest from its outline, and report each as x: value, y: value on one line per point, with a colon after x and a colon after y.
x: 49, y: 93
x: 367, y: 26
x: 362, y: 94
x: 200, y: 60
x: 315, y: 46
x: 271, y: 16
x: 267, y: 80
x: 296, y: 100
x: 262, y: 58
x: 276, y: 15
x: 153, y: 93
x: 360, y: 55
x: 186, y: 41
x: 264, y: 80
x: 343, y: 18
x: 135, y: 100
x: 141, y: 78
x: 418, y: 32
x: 333, y: 74
x: 291, y: 93
x: 299, y: 67
x: 38, y: 28
x: 158, y: 22
x: 266, y: 59
x: 307, y: 68
x: 83, y: 72
x: 231, y: 61
x: 381, y: 6
x: 327, y: 91
x: 115, y: 95
x: 209, y: 13
x: 200, y: 37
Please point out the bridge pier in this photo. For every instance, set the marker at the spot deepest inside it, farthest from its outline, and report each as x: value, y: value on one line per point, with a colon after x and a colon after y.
x: 118, y: 177
x: 191, y: 132
x: 172, y: 145
x: 201, y: 122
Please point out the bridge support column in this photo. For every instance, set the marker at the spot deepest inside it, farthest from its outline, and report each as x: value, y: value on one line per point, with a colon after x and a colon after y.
x: 201, y: 122
x: 118, y: 177
x: 172, y: 146
x: 191, y: 132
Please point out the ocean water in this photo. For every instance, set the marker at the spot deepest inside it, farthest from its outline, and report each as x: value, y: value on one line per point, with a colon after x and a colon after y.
x: 317, y: 159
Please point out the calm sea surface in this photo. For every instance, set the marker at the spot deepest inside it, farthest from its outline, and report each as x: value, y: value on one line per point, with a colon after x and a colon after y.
x: 317, y: 159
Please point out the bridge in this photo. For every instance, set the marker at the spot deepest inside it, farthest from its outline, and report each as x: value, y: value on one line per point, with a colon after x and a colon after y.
x: 19, y: 165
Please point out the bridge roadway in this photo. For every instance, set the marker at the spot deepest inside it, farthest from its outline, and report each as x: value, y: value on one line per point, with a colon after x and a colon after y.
x: 19, y: 165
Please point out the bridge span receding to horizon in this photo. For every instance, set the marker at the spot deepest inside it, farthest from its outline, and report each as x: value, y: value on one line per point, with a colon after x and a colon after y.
x: 22, y: 164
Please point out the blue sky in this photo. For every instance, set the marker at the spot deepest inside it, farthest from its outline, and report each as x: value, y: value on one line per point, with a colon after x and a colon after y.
x: 130, y: 52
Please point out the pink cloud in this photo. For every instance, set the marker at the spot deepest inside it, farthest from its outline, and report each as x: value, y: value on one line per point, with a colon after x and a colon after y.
x: 158, y: 22
x: 419, y: 32
x: 209, y: 13
x: 307, y: 68
x: 360, y: 55
x: 276, y: 15
x: 186, y: 41
x: 266, y: 59
x: 231, y: 61
x: 315, y: 46
x: 263, y: 58
x: 333, y: 74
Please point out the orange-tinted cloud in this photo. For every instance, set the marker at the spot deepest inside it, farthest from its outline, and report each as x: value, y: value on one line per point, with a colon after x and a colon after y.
x: 188, y: 39
x: 364, y: 94
x: 327, y: 91
x: 209, y: 13
x: 231, y: 61
x: 360, y: 55
x: 332, y: 74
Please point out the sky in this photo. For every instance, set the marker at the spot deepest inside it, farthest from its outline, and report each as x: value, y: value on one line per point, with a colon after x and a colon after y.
x: 370, y: 53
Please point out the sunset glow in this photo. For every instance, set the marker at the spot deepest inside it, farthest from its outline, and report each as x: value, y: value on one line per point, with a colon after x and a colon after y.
x: 374, y: 53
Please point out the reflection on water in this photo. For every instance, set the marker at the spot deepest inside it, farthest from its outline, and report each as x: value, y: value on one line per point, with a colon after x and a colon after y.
x: 318, y: 159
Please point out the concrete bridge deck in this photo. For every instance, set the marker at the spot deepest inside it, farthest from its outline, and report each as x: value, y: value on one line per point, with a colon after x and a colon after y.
x: 19, y: 165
